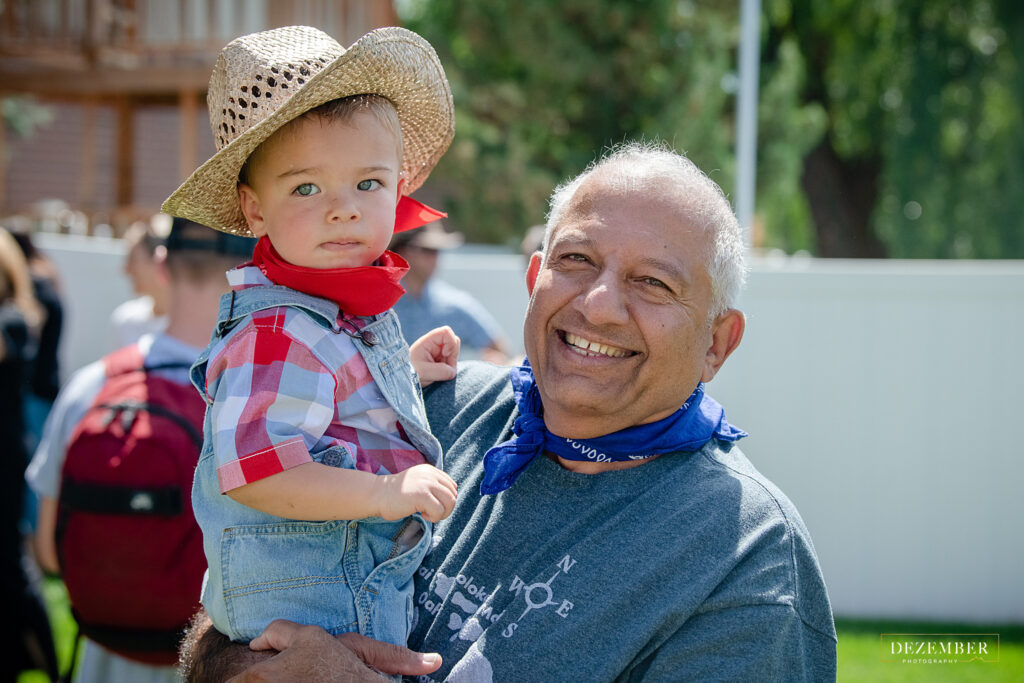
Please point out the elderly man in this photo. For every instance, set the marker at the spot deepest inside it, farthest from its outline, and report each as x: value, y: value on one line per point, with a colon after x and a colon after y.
x: 607, y: 526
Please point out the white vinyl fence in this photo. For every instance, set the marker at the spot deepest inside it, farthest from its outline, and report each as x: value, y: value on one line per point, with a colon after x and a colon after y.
x: 884, y: 397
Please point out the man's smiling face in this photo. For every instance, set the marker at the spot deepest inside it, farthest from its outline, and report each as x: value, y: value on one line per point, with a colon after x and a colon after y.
x: 617, y: 328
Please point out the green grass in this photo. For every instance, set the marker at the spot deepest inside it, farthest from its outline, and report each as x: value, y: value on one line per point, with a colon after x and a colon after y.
x: 859, y: 649
x: 64, y: 629
x: 860, y: 654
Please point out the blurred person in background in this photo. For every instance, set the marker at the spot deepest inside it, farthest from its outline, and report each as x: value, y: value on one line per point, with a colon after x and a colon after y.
x: 533, y: 241
x: 44, y: 377
x: 21, y: 317
x: 429, y: 302
x: 191, y: 267
x: 147, y: 313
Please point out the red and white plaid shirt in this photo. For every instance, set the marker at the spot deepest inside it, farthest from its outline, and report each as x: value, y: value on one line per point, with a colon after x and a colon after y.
x: 277, y: 398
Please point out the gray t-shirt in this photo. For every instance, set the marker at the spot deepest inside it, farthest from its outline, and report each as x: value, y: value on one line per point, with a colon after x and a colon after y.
x: 690, y: 567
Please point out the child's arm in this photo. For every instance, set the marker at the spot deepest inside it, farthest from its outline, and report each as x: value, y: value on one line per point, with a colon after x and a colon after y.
x: 434, y: 355
x: 313, y: 491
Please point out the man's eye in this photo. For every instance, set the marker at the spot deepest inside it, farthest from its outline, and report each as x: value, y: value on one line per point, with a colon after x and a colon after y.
x: 575, y: 258
x: 367, y: 185
x: 654, y: 282
x: 306, y: 189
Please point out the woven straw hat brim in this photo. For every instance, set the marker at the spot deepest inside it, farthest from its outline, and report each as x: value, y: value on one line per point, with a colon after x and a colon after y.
x: 392, y: 62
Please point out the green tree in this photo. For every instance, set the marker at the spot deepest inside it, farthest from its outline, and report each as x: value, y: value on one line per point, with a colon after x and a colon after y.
x: 22, y: 115
x: 925, y: 145
x: 540, y: 88
x: 885, y: 128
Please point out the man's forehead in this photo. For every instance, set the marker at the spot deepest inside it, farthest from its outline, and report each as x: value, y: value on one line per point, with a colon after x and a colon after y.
x: 600, y: 196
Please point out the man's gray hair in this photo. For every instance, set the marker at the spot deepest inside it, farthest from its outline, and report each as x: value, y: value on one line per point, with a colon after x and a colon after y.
x: 646, y: 165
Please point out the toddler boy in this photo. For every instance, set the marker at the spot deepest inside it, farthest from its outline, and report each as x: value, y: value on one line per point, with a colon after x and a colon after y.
x: 319, y: 477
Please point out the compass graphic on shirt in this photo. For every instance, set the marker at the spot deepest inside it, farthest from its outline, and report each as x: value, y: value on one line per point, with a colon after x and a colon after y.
x: 540, y: 594
x: 537, y: 595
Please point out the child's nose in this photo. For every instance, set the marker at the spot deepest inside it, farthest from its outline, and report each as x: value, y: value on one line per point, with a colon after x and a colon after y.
x: 343, y: 208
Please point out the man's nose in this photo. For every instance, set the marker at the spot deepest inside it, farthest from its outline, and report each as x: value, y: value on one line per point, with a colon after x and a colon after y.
x: 603, y: 302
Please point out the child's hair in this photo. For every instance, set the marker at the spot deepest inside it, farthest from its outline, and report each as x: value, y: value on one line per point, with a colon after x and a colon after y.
x: 342, y: 110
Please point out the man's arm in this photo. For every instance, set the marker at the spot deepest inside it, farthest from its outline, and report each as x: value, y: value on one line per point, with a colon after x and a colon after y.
x: 307, y: 653
x: 44, y: 541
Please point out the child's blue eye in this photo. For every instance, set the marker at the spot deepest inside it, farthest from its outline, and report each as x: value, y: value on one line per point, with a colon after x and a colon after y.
x: 306, y: 189
x: 368, y: 185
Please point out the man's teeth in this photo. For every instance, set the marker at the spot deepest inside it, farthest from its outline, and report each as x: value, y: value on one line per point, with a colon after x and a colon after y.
x: 582, y: 346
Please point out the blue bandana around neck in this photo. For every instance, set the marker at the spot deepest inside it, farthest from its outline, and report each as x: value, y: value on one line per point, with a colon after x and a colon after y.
x: 699, y: 420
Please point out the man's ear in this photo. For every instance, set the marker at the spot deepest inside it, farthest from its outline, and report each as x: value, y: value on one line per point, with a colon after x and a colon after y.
x: 726, y: 334
x: 531, y: 272
x: 160, y: 261
x: 250, y: 204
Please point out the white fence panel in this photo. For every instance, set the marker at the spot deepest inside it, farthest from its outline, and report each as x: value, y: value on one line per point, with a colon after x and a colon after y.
x: 882, y: 396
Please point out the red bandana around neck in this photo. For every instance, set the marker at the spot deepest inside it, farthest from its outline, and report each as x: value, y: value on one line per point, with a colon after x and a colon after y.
x: 367, y: 290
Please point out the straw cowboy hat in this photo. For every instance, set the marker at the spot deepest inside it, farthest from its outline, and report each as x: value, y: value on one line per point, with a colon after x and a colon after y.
x: 264, y: 80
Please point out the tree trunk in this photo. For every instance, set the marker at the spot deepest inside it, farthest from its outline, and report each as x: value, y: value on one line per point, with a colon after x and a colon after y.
x: 842, y: 195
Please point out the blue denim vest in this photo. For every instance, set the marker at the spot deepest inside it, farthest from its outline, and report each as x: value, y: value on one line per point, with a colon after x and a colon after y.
x: 341, y: 575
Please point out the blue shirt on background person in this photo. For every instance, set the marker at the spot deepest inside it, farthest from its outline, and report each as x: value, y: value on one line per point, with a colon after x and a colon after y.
x: 429, y: 302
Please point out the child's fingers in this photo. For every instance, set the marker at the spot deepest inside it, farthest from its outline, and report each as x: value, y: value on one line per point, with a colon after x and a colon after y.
x: 436, y: 372
x: 448, y: 504
x: 438, y: 503
x: 432, y: 509
x: 452, y: 348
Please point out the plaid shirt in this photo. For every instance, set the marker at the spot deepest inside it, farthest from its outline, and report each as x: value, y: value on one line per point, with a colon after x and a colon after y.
x: 276, y: 400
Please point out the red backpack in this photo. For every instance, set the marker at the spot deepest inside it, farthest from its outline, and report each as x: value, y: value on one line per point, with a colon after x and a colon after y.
x: 130, y: 551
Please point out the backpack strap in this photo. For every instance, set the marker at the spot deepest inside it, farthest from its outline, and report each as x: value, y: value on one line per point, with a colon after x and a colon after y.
x: 129, y: 359
x: 125, y: 359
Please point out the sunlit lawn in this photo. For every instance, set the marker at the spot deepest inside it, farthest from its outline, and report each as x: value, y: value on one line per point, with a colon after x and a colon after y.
x: 859, y: 649
x: 63, y: 628
x: 860, y: 654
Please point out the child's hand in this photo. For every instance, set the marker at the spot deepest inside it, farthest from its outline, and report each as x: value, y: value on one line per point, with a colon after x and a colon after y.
x: 423, y: 489
x: 434, y: 355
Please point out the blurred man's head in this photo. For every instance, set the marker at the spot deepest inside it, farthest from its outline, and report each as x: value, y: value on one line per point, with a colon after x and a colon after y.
x: 140, y: 259
x: 420, y: 247
x: 195, y: 253
x: 193, y: 261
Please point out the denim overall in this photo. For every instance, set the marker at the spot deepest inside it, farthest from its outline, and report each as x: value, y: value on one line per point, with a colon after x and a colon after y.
x: 341, y: 575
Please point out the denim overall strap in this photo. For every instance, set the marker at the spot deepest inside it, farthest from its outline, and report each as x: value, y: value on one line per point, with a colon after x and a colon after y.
x: 388, y: 360
x: 235, y: 305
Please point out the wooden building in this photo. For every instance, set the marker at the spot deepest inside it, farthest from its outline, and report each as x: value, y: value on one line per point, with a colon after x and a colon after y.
x: 123, y: 85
